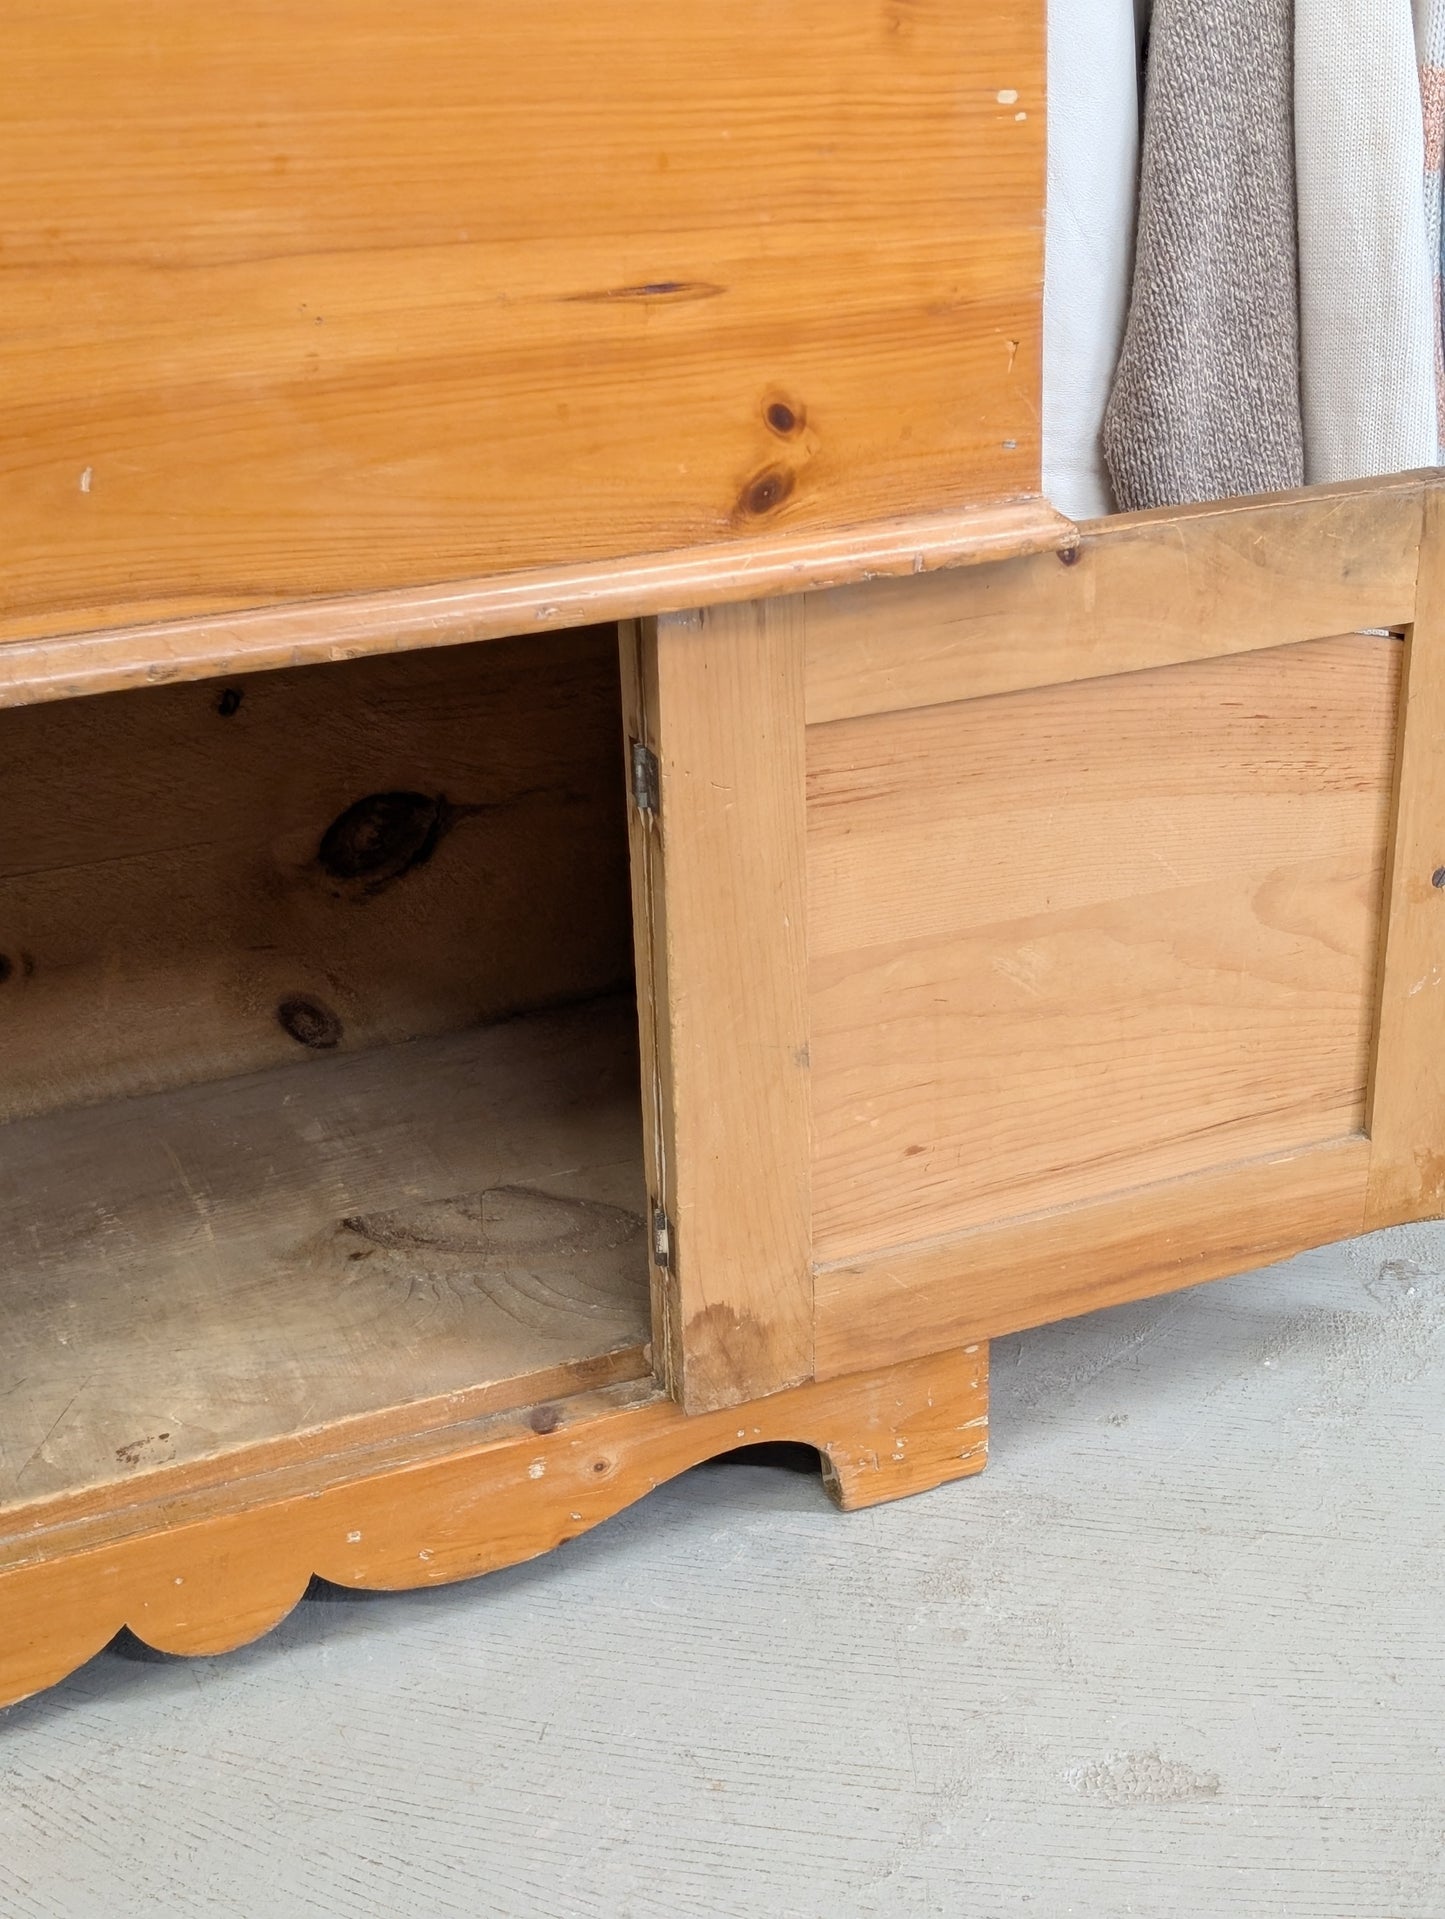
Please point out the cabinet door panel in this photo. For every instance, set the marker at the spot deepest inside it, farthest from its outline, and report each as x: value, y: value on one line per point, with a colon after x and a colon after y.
x: 1088, y: 937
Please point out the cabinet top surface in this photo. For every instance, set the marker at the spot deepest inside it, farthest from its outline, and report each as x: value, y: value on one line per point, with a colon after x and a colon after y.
x: 359, y: 298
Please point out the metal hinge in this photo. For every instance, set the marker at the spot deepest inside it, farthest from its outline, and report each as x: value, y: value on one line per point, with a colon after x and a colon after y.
x: 646, y: 779
x: 661, y: 1239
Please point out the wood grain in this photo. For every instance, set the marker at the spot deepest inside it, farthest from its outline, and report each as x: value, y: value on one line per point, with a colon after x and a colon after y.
x: 535, y: 600
x: 913, y: 1300
x: 206, y: 1573
x: 358, y: 296
x: 390, y: 1238
x: 1140, y: 590
x: 1092, y: 936
x: 1407, y: 1102
x: 721, y: 695
x: 394, y: 847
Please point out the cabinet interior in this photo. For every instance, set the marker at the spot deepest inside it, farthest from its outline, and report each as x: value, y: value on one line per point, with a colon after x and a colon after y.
x: 319, y: 1092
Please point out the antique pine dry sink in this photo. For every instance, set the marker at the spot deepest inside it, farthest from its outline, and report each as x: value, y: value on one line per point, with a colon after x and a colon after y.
x: 589, y: 873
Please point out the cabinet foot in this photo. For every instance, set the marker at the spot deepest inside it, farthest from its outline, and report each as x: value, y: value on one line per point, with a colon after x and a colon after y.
x: 905, y: 1429
x: 204, y: 1568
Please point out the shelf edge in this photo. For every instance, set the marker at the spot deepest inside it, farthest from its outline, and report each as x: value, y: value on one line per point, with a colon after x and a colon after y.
x: 402, y: 620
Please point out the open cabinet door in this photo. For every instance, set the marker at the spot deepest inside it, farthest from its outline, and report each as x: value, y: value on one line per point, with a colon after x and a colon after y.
x: 1036, y: 936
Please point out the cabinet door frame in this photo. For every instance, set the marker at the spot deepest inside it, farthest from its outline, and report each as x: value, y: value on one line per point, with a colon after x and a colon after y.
x: 724, y: 700
x: 713, y: 701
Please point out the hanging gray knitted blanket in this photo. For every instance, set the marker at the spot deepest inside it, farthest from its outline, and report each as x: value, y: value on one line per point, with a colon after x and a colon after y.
x: 1206, y: 400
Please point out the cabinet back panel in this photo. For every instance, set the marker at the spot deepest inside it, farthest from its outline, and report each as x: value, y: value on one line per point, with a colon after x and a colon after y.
x: 198, y: 881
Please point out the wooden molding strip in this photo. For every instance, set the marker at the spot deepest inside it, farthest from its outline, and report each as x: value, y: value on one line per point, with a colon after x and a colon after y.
x: 1407, y: 1087
x: 312, y: 631
x: 1140, y: 590
x: 207, y: 1575
x: 1028, y: 1272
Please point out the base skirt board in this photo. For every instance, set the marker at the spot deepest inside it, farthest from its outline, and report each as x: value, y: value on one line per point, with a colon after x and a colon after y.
x: 1002, y: 1279
x: 208, y: 1573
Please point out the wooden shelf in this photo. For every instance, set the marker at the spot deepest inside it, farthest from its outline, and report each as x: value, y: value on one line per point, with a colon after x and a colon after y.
x: 353, y: 1245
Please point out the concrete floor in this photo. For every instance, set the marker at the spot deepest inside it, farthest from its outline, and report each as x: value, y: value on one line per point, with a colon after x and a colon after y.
x: 1180, y: 1652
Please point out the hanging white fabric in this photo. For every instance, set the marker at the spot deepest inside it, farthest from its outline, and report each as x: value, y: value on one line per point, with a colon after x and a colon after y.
x: 1092, y: 189
x: 1367, y: 319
